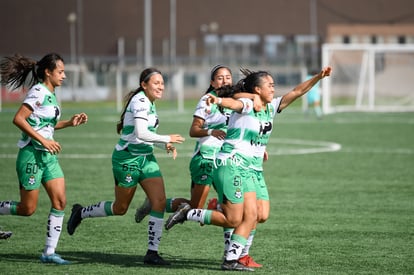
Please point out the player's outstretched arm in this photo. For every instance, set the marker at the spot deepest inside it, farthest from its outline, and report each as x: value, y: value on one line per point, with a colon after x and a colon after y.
x: 303, y: 87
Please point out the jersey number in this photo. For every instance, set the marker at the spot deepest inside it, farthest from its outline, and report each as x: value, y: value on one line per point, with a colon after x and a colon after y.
x: 32, y: 168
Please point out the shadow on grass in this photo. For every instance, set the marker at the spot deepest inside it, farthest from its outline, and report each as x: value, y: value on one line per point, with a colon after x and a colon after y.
x: 122, y: 260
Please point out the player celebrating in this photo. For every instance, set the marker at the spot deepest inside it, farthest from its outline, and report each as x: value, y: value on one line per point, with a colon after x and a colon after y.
x: 133, y: 162
x: 209, y: 126
x: 241, y: 155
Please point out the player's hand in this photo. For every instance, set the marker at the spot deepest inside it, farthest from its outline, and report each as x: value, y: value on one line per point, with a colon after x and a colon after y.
x: 78, y: 119
x: 265, y: 156
x: 219, y: 134
x: 257, y: 103
x: 212, y: 99
x: 175, y: 138
x: 171, y: 149
x: 325, y: 72
x: 52, y: 146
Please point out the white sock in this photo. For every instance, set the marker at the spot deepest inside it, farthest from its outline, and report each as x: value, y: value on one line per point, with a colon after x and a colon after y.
x: 5, y: 207
x: 227, y: 236
x: 101, y: 209
x: 248, y: 244
x: 196, y: 215
x: 236, y: 246
x: 54, y: 228
x: 154, y: 232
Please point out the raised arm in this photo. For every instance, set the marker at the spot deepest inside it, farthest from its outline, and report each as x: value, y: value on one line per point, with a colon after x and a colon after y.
x: 303, y: 88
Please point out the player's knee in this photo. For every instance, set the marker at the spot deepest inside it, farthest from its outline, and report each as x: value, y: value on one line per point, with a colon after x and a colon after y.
x: 262, y: 218
x: 60, y: 204
x: 26, y: 210
x: 158, y: 204
x: 234, y: 222
x: 120, y: 210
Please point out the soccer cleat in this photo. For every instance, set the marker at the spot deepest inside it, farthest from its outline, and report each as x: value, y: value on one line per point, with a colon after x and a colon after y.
x: 75, y: 218
x: 248, y: 261
x: 178, y: 216
x: 152, y: 258
x: 143, y: 211
x: 235, y: 266
x: 5, y: 234
x: 53, y: 258
x: 212, y: 204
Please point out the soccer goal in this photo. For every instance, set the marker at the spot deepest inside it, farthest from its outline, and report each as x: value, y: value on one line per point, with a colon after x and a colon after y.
x: 368, y: 77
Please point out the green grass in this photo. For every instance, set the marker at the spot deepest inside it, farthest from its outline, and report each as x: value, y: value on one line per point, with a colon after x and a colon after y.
x: 349, y: 211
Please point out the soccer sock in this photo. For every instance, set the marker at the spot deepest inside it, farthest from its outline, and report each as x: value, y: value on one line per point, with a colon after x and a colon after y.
x: 8, y: 207
x: 227, y: 236
x: 155, y: 223
x: 169, y: 205
x: 248, y: 244
x: 54, y: 227
x: 236, y: 246
x: 200, y: 215
x: 101, y: 209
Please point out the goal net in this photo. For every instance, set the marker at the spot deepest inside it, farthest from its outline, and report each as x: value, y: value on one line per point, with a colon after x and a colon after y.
x: 368, y: 77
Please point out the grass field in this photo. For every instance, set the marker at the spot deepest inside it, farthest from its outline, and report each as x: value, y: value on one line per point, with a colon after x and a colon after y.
x: 341, y: 189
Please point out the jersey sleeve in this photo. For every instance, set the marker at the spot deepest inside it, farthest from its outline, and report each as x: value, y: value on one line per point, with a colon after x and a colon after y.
x: 140, y: 107
x: 34, y: 98
x: 202, y: 109
x: 247, y: 105
x: 275, y: 103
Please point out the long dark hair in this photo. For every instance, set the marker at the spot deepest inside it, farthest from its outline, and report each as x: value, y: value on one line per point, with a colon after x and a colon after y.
x: 247, y: 84
x: 252, y: 79
x: 15, y: 69
x: 144, y: 77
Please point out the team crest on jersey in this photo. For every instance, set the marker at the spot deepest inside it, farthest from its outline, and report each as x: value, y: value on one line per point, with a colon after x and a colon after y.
x: 128, y: 178
x: 32, y: 180
x: 238, y: 194
x: 271, y: 112
x: 207, y: 110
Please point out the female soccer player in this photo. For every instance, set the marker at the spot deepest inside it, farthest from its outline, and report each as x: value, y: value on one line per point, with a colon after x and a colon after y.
x: 239, y: 159
x: 209, y: 126
x: 133, y: 162
x: 37, y: 162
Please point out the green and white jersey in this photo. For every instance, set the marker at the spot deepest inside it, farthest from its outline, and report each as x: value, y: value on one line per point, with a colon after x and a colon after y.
x: 45, y: 115
x: 248, y: 134
x: 208, y: 146
x: 142, y: 108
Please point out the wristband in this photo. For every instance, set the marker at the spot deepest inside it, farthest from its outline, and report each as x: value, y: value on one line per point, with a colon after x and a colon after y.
x: 209, y: 132
x: 219, y: 100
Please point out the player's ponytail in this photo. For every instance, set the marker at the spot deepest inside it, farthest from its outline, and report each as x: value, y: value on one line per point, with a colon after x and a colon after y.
x: 15, y: 70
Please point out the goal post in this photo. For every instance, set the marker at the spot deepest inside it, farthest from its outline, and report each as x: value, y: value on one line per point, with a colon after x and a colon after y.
x: 368, y: 77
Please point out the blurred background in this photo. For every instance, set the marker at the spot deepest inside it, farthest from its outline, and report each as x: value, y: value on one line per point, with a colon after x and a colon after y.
x: 107, y: 43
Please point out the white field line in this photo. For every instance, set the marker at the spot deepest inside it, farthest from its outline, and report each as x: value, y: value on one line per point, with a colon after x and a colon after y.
x: 277, y: 146
x: 303, y: 147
